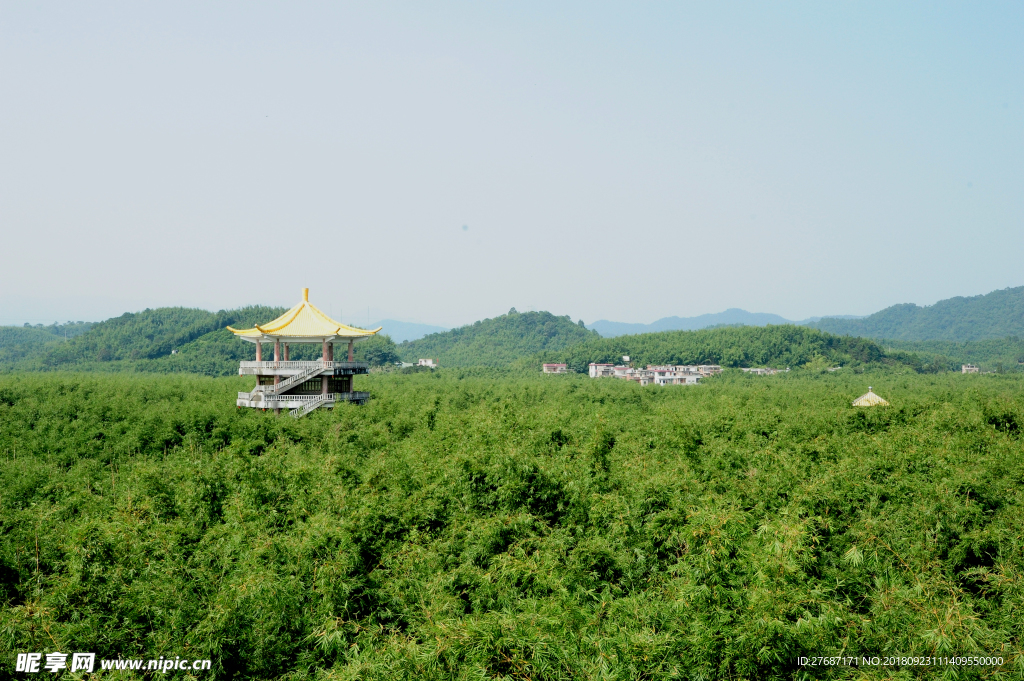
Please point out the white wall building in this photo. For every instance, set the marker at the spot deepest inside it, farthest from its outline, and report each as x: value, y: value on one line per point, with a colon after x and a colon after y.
x: 761, y: 371
x: 659, y: 375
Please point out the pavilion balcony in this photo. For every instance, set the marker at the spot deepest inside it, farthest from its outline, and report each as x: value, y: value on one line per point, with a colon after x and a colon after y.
x: 260, y: 400
x: 290, y: 368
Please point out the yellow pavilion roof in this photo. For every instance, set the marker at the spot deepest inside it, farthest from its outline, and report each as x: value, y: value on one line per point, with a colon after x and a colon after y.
x: 303, y: 321
x: 869, y: 399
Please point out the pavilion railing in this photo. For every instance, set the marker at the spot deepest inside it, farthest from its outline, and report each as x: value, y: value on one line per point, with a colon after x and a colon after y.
x: 291, y: 381
x: 269, y: 400
x: 315, y: 364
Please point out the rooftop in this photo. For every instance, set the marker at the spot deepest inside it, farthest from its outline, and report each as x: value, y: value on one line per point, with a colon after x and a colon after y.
x: 303, y: 323
x: 869, y: 399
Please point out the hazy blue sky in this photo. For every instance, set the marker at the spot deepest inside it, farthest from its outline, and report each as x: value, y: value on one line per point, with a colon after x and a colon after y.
x: 445, y: 162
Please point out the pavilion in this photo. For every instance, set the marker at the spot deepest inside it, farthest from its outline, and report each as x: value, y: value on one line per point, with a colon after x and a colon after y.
x: 301, y: 386
x: 870, y: 399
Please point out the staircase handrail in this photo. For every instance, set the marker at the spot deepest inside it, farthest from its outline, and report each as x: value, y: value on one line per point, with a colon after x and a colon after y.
x: 290, y: 381
x: 299, y: 412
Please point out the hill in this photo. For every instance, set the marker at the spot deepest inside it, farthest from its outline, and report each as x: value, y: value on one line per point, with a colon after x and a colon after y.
x: 163, y: 340
x: 137, y: 341
x: 999, y: 355
x: 994, y: 315
x: 18, y: 343
x: 499, y: 341
x: 155, y: 334
x: 734, y: 315
x: 745, y: 346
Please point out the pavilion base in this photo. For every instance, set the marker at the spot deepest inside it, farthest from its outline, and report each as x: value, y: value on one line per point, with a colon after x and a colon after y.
x: 298, y: 405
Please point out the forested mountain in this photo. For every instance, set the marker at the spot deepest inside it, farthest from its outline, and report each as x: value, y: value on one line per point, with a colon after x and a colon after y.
x: 152, y: 334
x: 734, y: 315
x: 164, y: 340
x: 498, y: 341
x: 140, y: 341
x: 745, y: 346
x: 994, y: 315
x: 984, y: 330
x: 201, y: 344
x: 999, y: 355
x: 20, y: 342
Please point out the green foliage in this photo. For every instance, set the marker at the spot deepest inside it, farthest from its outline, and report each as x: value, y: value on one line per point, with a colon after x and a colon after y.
x: 994, y: 315
x: 20, y: 343
x: 498, y: 341
x: 743, y: 346
x: 377, y: 351
x: 520, y: 527
x: 989, y: 355
x: 153, y: 334
x: 144, y: 341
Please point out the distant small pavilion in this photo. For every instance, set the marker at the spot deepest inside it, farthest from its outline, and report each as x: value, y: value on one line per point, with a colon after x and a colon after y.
x: 870, y: 399
x: 301, y: 386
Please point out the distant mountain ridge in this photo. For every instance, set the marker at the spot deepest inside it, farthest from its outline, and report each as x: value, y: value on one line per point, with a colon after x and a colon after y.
x: 733, y: 315
x: 998, y: 314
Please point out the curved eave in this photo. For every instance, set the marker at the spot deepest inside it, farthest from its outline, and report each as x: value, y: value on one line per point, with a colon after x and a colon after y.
x: 253, y: 335
x: 303, y: 323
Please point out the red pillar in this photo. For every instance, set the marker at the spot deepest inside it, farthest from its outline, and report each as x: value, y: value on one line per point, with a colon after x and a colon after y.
x: 323, y: 352
x: 277, y: 359
x: 259, y: 351
x: 350, y: 342
x: 286, y: 352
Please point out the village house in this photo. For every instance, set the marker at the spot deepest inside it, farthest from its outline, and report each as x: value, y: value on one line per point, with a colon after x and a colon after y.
x: 427, y: 363
x: 555, y: 368
x: 969, y: 369
x: 762, y: 371
x: 659, y: 375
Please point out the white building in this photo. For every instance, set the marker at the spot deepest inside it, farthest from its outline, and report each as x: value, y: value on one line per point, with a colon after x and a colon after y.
x: 555, y: 368
x: 427, y: 363
x: 761, y: 371
x: 681, y: 379
x: 657, y: 374
x: 969, y: 369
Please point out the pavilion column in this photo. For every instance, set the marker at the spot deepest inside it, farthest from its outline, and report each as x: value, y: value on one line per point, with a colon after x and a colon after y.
x: 325, y: 385
x: 259, y: 351
x: 323, y: 353
x: 330, y: 351
x: 350, y: 342
x: 277, y: 359
x: 286, y: 352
